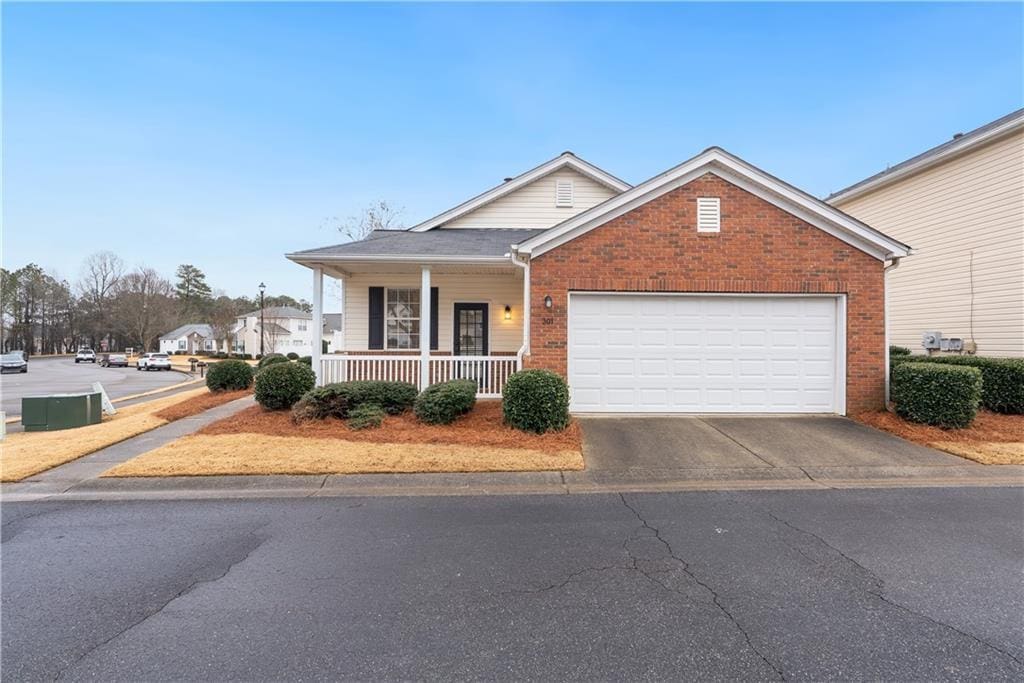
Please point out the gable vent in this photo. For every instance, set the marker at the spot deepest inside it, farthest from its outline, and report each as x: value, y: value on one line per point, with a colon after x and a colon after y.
x: 563, y: 193
x: 709, y: 214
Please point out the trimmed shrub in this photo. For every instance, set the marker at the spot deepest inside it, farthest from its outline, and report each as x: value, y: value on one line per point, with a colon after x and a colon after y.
x: 271, y: 359
x: 308, y: 360
x: 292, y: 355
x: 898, y: 351
x: 366, y: 416
x: 321, y: 403
x: 536, y: 401
x: 1002, y: 379
x: 936, y: 394
x: 280, y: 385
x: 441, y: 404
x: 229, y: 375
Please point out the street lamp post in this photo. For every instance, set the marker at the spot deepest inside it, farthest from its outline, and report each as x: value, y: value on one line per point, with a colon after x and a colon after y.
x: 263, y: 288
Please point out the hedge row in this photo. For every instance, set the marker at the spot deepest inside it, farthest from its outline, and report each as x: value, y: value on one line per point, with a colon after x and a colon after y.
x: 937, y: 394
x: 1002, y: 379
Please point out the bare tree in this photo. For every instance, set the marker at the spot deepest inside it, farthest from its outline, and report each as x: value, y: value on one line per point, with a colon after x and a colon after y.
x: 377, y: 216
x: 96, y: 286
x: 145, y: 306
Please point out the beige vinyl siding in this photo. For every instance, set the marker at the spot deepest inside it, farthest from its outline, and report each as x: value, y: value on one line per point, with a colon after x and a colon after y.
x: 533, y: 205
x: 496, y: 290
x: 972, y: 203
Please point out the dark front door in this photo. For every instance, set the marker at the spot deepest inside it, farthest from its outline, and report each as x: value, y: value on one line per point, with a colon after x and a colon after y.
x: 470, y: 336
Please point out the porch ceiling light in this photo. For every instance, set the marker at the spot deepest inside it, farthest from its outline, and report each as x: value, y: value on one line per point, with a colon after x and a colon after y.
x: 508, y: 312
x: 548, y: 303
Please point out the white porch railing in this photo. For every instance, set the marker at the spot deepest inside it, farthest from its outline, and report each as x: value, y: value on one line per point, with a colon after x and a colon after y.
x: 490, y: 372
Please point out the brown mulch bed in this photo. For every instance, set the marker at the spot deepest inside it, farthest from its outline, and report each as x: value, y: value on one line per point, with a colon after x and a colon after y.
x: 987, y: 427
x: 480, y: 427
x: 199, y: 404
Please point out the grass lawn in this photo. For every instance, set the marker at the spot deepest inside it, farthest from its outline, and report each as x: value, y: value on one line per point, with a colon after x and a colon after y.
x: 993, y: 438
x: 256, y: 441
x: 27, y: 453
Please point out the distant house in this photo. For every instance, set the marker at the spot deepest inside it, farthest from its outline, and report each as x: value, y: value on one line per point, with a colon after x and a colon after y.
x: 332, y: 332
x: 191, y: 338
x: 961, y: 205
x: 285, y: 330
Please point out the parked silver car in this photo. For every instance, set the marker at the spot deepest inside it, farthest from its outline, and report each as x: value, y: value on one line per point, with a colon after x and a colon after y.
x: 13, y: 362
x: 111, y: 360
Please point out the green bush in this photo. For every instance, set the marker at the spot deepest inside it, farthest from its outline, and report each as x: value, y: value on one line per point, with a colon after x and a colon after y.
x: 536, y: 401
x: 321, y: 403
x: 366, y: 416
x: 242, y: 356
x: 292, y: 355
x: 1002, y: 379
x: 936, y: 394
x: 270, y: 359
x: 229, y: 375
x: 308, y: 360
x: 393, y: 397
x: 898, y: 351
x: 443, y: 403
x: 280, y: 385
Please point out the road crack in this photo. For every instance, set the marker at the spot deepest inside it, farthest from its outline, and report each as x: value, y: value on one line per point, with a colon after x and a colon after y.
x: 879, y: 588
x: 257, y: 540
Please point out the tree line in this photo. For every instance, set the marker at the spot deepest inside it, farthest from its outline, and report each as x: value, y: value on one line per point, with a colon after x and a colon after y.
x: 112, y: 307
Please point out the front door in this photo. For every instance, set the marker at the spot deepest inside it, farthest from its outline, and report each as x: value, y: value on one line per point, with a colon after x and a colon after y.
x: 470, y: 335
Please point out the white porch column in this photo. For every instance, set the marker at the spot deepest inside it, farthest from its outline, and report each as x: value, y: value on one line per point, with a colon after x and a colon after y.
x: 425, y: 316
x: 318, y: 323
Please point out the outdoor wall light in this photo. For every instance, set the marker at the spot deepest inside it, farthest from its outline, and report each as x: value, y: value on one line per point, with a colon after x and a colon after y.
x: 508, y: 312
x: 548, y: 303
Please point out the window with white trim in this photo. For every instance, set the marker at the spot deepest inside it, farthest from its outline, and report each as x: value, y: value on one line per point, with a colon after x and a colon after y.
x: 181, y: 344
x: 563, y: 193
x: 208, y: 344
x: 709, y: 214
x: 402, y: 318
x: 302, y: 326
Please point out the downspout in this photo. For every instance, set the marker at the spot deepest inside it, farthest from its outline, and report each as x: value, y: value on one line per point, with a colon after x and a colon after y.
x: 524, y: 350
x: 885, y: 311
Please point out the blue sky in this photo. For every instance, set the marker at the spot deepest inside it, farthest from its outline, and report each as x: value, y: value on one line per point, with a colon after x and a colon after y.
x: 227, y: 135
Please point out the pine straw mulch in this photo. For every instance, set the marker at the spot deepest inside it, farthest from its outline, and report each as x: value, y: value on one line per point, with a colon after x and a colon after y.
x: 482, y: 426
x: 200, y: 404
x: 992, y: 439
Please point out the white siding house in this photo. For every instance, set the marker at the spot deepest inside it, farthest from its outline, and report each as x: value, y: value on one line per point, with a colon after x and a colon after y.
x: 961, y: 205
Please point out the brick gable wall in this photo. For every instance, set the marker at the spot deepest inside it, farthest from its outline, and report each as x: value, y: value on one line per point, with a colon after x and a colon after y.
x: 761, y: 248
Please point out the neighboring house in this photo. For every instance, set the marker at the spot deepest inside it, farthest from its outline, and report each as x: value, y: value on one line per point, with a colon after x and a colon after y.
x: 961, y: 205
x: 191, y: 338
x: 333, y: 336
x: 713, y: 287
x: 285, y: 330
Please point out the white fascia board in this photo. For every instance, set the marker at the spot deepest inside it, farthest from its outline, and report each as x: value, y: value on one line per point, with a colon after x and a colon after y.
x: 310, y: 260
x: 964, y: 144
x: 735, y: 171
x: 565, y: 160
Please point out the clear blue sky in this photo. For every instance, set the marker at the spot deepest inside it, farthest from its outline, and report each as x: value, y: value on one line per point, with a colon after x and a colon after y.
x: 226, y: 135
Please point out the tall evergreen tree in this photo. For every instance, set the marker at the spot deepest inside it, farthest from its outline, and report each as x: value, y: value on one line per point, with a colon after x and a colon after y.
x: 194, y: 295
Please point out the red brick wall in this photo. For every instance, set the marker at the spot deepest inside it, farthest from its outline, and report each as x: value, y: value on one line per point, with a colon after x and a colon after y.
x: 761, y: 248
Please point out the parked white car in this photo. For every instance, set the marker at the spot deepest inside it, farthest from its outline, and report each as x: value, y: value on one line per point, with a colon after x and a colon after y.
x: 85, y: 356
x: 153, y: 361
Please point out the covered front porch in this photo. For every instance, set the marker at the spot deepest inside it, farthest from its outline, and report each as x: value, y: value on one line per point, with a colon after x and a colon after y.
x: 424, y: 321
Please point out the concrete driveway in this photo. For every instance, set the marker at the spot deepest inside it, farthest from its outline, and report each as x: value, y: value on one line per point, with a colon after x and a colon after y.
x: 761, y: 448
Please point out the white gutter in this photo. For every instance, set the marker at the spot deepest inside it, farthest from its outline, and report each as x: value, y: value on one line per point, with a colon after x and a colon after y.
x: 524, y: 350
x: 885, y: 312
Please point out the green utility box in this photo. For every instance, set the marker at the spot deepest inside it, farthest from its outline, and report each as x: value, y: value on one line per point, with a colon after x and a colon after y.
x: 60, y: 411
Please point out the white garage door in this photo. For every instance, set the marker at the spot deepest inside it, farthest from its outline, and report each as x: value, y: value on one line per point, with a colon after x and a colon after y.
x: 637, y: 353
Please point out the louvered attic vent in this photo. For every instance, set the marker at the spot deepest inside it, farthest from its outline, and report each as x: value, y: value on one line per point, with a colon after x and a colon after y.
x: 709, y: 214
x: 563, y: 193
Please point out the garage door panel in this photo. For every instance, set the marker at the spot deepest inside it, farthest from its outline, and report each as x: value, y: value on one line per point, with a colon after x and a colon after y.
x: 664, y: 353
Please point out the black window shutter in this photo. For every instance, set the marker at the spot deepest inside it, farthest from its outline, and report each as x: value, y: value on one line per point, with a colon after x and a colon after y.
x: 433, y: 318
x: 376, y: 318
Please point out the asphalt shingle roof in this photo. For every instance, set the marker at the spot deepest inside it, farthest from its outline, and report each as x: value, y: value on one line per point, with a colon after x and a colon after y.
x: 202, y: 329
x: 441, y: 242
x: 280, y: 312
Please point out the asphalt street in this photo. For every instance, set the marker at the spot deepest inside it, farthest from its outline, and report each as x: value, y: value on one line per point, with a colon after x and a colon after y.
x: 904, y: 584
x: 64, y: 376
